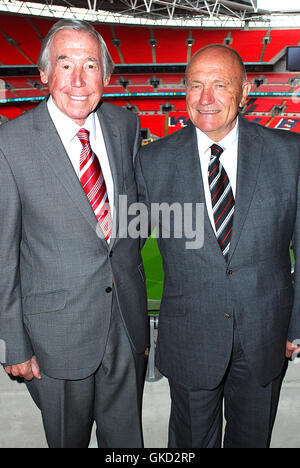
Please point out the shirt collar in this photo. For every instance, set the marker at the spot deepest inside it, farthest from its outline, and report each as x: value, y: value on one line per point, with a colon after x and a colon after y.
x: 230, y: 139
x: 65, y: 126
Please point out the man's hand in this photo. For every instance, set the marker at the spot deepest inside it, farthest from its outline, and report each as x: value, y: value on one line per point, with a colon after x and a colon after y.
x: 27, y: 370
x: 290, y: 349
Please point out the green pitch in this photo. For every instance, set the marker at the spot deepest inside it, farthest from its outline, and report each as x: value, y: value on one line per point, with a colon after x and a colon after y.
x: 154, y: 273
x: 292, y: 255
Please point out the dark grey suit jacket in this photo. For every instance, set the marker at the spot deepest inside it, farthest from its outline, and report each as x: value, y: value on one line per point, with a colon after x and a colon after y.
x: 55, y: 270
x: 202, y: 293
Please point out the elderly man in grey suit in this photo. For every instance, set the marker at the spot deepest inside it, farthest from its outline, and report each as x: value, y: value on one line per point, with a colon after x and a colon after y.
x: 229, y: 313
x: 73, y: 316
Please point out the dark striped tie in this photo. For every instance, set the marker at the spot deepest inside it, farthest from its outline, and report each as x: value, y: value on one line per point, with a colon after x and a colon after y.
x: 222, y: 199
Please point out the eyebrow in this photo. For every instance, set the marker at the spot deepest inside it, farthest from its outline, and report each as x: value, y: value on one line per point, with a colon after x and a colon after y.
x: 218, y: 80
x: 89, y: 59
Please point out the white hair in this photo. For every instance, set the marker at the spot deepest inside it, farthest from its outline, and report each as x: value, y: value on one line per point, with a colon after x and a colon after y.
x: 77, y: 25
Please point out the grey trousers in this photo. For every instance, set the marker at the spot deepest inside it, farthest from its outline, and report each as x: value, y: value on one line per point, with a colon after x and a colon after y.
x: 112, y: 397
x: 197, y: 414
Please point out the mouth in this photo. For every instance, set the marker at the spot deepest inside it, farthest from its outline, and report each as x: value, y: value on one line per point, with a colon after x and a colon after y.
x: 208, y: 111
x: 78, y: 98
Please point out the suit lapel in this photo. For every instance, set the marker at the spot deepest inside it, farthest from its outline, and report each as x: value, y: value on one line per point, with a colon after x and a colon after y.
x: 190, y: 168
x: 113, y: 144
x: 249, y: 157
x: 51, y: 147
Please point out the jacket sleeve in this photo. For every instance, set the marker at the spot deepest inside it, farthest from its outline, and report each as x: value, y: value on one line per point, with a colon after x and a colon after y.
x: 294, y: 328
x: 15, y: 346
x: 143, y: 196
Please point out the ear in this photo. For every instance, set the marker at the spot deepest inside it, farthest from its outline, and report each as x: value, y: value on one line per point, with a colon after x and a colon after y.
x: 44, y: 77
x: 107, y: 80
x: 245, y: 92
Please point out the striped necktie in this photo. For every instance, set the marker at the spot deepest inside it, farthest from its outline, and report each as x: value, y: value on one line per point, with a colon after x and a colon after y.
x: 222, y: 199
x: 93, y: 183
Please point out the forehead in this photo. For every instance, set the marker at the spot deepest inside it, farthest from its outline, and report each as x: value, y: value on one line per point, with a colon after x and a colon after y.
x: 74, y: 43
x: 215, y: 63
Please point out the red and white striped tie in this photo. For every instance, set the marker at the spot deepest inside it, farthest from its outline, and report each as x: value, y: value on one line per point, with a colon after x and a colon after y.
x: 93, y: 183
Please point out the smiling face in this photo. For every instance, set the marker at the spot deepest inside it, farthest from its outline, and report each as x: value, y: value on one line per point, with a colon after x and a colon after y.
x: 215, y: 90
x: 75, y: 77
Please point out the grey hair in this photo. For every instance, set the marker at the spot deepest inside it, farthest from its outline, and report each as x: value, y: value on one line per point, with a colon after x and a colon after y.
x: 77, y: 25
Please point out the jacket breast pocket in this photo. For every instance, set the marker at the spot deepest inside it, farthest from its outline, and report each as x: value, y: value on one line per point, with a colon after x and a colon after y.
x: 50, y: 301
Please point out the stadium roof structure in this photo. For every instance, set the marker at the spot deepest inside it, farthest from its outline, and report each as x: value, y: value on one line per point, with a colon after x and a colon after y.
x: 198, y: 13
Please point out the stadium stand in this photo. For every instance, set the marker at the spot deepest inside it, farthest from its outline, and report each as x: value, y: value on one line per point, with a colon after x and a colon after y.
x: 22, y: 36
x: 178, y: 51
x: 9, y: 53
x: 285, y: 123
x: 128, y: 35
x: 274, y: 88
x: 280, y: 78
x: 248, y: 45
x: 204, y: 37
x: 280, y: 39
x: 13, y: 111
x: 158, y: 95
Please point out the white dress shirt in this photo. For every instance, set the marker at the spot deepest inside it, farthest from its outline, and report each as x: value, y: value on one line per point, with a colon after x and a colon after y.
x: 228, y: 159
x: 67, y: 130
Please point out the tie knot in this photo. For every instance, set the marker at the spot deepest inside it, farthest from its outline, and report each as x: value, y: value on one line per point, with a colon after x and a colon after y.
x: 84, y: 136
x: 216, y: 150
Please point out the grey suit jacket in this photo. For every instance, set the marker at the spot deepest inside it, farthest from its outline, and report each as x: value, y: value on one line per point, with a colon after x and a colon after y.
x: 56, y: 272
x: 202, y: 293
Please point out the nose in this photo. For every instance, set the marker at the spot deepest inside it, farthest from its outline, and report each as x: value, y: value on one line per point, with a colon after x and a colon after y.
x: 206, y: 96
x: 77, y: 80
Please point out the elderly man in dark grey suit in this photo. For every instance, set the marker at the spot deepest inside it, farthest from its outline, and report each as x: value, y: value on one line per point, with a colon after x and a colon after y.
x: 73, y: 318
x: 229, y: 314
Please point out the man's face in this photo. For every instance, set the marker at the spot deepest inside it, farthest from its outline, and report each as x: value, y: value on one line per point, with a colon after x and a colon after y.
x: 215, y: 92
x: 75, y: 76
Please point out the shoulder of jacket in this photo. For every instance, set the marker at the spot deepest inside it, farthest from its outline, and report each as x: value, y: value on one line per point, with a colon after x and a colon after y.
x: 267, y: 132
x: 16, y: 127
x: 107, y: 107
x: 170, y: 140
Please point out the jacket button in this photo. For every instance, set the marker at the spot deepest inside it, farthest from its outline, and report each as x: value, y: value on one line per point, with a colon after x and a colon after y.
x: 108, y: 289
x: 111, y: 253
x: 227, y: 316
x: 229, y: 272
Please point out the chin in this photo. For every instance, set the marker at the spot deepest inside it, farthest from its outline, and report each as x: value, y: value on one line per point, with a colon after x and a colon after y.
x: 206, y: 128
